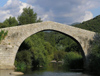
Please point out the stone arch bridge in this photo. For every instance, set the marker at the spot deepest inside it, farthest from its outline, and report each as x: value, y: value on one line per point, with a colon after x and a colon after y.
x: 16, y: 35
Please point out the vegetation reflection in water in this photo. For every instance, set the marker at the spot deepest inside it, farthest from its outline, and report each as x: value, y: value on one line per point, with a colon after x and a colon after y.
x: 54, y: 69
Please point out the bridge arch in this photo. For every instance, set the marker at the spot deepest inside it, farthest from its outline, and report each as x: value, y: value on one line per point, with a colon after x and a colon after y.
x: 16, y: 35
x: 82, y: 52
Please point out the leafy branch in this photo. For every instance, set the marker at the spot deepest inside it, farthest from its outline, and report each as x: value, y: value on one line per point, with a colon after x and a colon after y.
x: 3, y: 34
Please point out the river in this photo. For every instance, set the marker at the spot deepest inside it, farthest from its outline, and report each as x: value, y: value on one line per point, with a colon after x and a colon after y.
x: 52, y: 70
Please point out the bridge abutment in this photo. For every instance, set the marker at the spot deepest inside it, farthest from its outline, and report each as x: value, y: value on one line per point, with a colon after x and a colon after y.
x: 6, y: 60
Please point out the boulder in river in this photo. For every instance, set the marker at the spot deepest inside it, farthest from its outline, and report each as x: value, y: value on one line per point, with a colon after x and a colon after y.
x: 16, y: 73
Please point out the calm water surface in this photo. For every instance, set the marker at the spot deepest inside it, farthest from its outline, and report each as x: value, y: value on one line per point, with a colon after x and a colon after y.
x: 52, y: 70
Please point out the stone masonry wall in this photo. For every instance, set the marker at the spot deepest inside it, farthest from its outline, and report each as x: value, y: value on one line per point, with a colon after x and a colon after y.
x: 16, y: 35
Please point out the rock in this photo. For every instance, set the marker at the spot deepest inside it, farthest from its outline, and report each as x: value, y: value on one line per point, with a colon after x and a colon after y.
x: 53, y: 61
x: 16, y: 73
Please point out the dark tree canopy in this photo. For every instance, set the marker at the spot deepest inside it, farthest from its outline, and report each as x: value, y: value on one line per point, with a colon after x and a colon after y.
x: 92, y: 25
x: 11, y: 21
x: 28, y: 16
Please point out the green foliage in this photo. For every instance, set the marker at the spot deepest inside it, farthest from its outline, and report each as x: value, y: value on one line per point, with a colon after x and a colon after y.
x: 59, y: 55
x: 20, y: 65
x: 24, y: 56
x: 73, y: 60
x: 3, y: 34
x: 61, y: 42
x: 50, y: 50
x: 2, y: 25
x: 92, y: 25
x: 10, y: 22
x: 28, y: 16
x: 41, y: 51
x: 94, y: 57
x: 50, y: 37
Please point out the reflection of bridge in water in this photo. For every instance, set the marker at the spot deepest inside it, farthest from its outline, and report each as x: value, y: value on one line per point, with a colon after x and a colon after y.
x: 16, y: 35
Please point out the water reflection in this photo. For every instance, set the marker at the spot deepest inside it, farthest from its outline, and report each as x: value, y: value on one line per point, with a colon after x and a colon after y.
x: 57, y: 74
x: 6, y: 72
x: 53, y: 69
x: 45, y: 73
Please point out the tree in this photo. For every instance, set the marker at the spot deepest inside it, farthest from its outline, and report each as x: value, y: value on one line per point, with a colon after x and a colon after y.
x: 40, y: 50
x: 92, y: 25
x: 24, y: 56
x: 73, y: 60
x: 2, y: 25
x: 11, y: 21
x: 28, y: 16
x: 59, y: 55
x: 94, y: 55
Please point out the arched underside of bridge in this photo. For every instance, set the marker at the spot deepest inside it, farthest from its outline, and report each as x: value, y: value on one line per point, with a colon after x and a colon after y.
x: 82, y: 51
x: 16, y: 35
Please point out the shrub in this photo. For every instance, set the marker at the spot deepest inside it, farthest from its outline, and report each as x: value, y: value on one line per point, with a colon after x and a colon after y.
x: 3, y: 34
x: 94, y: 56
x: 20, y: 65
x: 59, y: 55
x: 73, y: 60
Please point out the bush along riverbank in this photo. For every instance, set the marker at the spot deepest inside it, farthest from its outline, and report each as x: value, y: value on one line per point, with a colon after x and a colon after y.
x: 94, y: 57
x: 73, y: 60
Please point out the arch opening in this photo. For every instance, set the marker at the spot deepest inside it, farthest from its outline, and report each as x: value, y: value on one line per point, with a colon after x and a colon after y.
x: 27, y: 47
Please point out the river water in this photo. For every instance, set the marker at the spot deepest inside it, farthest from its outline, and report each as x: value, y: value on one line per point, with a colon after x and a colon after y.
x: 54, y: 70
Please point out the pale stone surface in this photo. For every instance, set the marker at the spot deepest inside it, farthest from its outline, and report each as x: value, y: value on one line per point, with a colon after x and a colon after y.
x: 16, y: 73
x: 6, y: 72
x: 16, y: 35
